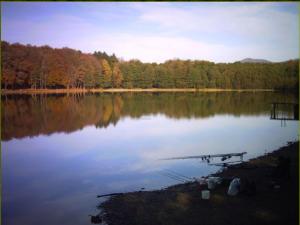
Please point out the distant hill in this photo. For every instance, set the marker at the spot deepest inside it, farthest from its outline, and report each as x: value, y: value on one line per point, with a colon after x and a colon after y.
x: 249, y: 60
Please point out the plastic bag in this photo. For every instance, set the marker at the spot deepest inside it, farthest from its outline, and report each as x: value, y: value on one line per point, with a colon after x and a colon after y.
x: 234, y: 187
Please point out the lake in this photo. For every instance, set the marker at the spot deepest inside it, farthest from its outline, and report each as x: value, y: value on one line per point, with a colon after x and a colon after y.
x: 60, y: 151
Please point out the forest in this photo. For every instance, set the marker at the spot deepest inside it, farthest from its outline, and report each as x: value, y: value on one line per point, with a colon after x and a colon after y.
x: 27, y: 66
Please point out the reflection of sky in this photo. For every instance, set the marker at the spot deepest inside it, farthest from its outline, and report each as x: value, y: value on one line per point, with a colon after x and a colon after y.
x: 57, y: 177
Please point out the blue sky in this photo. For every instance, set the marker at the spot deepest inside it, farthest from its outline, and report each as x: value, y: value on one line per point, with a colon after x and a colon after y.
x: 155, y: 32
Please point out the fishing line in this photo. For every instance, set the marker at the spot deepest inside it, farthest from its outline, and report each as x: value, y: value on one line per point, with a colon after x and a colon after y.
x: 172, y: 177
x: 181, y: 175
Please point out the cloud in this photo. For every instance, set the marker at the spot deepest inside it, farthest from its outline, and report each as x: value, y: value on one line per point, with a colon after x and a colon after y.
x: 155, y: 32
x: 252, y: 20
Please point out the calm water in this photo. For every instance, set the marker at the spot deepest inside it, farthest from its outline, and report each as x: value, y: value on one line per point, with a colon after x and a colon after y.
x: 60, y: 152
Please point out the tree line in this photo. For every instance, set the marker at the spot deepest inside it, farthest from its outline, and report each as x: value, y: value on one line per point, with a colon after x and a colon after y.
x: 27, y: 66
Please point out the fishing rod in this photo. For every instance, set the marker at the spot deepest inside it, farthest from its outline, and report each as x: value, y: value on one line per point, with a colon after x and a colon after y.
x: 226, y: 163
x: 111, y: 194
x: 205, y: 157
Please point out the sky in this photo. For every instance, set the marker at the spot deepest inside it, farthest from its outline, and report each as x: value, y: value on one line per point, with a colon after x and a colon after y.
x: 158, y: 31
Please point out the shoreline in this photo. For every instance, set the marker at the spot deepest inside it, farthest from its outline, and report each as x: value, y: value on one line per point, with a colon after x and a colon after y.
x: 121, y: 90
x: 275, y: 200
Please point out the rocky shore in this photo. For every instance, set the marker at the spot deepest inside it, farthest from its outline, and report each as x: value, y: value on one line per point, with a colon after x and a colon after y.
x: 272, y: 199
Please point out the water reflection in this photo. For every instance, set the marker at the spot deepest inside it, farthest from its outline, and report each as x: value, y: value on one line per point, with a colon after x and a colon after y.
x: 60, y: 152
x: 24, y: 116
x: 284, y: 111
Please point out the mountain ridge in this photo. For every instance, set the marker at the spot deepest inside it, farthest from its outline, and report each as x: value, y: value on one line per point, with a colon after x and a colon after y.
x: 251, y: 60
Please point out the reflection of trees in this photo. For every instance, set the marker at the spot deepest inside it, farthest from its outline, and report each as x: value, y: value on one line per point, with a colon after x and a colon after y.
x: 24, y: 116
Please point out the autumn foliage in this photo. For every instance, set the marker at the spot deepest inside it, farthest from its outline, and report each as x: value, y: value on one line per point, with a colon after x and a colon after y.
x: 26, y: 66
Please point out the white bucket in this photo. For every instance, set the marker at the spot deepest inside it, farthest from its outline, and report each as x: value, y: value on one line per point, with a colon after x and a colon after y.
x: 205, y: 194
x: 212, y: 182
